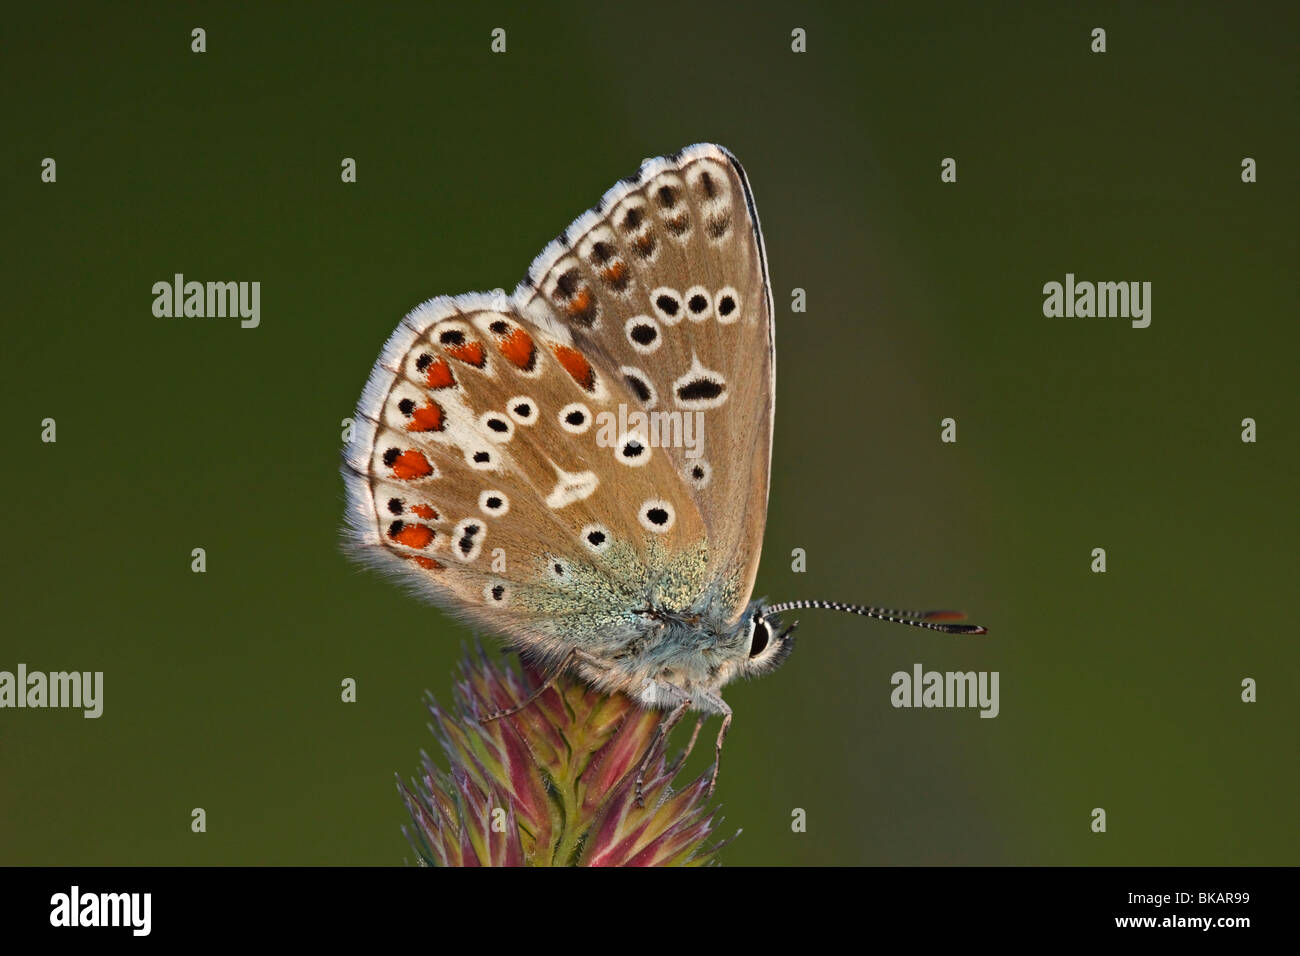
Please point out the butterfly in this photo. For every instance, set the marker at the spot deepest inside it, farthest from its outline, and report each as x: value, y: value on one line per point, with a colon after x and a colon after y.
x: 583, y: 466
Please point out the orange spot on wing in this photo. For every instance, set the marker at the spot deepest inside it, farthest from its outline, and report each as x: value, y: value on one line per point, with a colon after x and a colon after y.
x: 439, y: 375
x: 615, y: 273
x: 411, y: 464
x: 425, y: 512
x: 576, y: 364
x: 427, y: 563
x: 471, y: 353
x: 580, y: 302
x: 427, y: 418
x: 413, y: 536
x: 518, y: 348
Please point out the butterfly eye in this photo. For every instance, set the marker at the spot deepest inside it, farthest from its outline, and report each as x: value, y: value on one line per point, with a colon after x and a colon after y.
x: 758, y: 640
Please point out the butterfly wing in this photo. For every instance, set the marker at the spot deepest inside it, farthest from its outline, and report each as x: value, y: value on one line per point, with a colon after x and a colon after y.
x: 664, y: 284
x: 480, y: 473
x: 495, y: 466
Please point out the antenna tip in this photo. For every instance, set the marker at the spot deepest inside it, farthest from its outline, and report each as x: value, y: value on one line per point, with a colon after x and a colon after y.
x: 944, y: 616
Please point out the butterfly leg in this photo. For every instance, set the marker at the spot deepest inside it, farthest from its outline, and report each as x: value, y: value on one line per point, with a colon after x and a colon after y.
x: 720, y: 706
x: 682, y: 704
x: 551, y: 678
x: 690, y: 744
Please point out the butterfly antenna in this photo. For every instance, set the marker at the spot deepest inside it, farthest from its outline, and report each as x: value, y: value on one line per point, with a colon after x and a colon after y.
x: 925, y: 619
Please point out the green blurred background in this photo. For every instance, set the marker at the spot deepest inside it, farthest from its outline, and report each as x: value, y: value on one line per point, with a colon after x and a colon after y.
x: 1119, y: 690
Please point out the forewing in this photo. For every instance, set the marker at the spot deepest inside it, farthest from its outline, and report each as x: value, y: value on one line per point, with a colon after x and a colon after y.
x: 664, y: 286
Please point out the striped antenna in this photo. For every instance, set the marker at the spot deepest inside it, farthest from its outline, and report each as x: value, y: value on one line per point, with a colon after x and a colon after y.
x: 923, y: 619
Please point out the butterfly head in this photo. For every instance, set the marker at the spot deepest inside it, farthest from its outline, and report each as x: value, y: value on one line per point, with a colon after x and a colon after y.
x: 767, y: 643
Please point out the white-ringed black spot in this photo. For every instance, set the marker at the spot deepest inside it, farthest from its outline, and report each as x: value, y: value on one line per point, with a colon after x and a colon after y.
x: 522, y: 409
x: 452, y: 337
x: 406, y: 406
x: 639, y: 388
x: 595, y: 538
x: 657, y: 516
x: 667, y: 305
x: 633, y: 450
x: 575, y: 418
x: 643, y: 334
x: 700, y: 389
x: 493, y: 502
x: 499, y: 428
x: 468, y: 536
x: 640, y: 385
x: 698, y: 473
x: 699, y: 304
x: 728, y: 307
